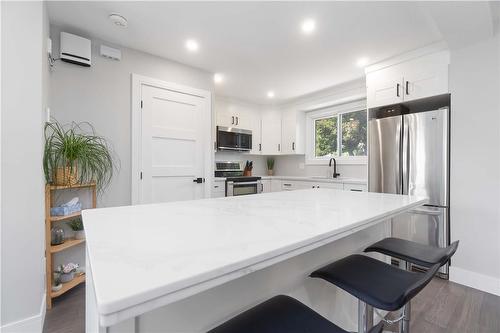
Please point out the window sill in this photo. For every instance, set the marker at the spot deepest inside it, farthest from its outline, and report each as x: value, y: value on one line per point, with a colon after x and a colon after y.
x: 361, y: 160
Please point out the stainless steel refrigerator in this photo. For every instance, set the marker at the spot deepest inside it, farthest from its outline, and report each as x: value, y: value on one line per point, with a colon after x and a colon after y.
x: 409, y: 154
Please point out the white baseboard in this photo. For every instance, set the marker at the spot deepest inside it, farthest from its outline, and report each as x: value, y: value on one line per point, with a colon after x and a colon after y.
x: 32, y: 324
x: 475, y: 280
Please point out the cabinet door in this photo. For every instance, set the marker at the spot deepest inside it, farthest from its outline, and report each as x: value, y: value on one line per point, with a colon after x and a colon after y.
x: 224, y: 114
x: 218, y: 190
x: 337, y: 186
x: 250, y: 119
x: 384, y: 87
x: 355, y: 187
x: 271, y: 132
x: 266, y: 185
x: 426, y: 76
x: 292, y: 132
x: 275, y: 185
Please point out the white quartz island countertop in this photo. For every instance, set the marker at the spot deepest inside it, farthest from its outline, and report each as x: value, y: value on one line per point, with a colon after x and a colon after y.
x: 144, y: 257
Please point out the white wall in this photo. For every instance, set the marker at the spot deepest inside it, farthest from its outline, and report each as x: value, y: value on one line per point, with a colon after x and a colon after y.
x: 295, y: 165
x: 101, y: 95
x: 23, y: 97
x: 475, y: 164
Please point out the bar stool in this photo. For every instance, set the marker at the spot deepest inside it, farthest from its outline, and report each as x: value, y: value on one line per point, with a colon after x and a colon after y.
x: 281, y: 314
x: 375, y: 284
x: 414, y: 253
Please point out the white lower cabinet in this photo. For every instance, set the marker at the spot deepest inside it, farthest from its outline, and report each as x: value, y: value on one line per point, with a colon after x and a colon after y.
x: 355, y: 187
x: 275, y: 185
x: 266, y: 185
x: 218, y: 189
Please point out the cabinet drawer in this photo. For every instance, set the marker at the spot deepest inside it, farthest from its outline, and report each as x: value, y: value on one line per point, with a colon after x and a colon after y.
x: 355, y: 187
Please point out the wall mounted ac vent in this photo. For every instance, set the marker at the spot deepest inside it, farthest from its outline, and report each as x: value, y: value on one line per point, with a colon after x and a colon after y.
x: 75, y: 49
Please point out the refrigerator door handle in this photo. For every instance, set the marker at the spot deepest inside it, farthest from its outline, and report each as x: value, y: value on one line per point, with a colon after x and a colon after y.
x: 405, y: 157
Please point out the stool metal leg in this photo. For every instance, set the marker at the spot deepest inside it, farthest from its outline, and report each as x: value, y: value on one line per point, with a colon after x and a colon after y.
x: 404, y: 324
x: 365, y: 317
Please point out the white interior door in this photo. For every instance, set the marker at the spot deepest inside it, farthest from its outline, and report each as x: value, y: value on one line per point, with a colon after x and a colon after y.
x: 172, y: 145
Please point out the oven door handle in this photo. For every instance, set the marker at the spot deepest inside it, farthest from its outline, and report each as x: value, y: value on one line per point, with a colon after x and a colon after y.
x: 245, y: 183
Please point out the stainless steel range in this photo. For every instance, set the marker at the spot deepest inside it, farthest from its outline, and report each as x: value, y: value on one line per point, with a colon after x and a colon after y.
x: 236, y: 183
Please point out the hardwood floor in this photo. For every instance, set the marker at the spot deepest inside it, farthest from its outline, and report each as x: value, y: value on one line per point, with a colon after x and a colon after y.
x: 442, y: 307
x: 68, y: 313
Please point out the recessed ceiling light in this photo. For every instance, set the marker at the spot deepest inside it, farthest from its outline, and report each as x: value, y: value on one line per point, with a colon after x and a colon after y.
x: 362, y: 62
x: 218, y: 78
x: 118, y: 20
x: 270, y: 94
x: 308, y: 26
x: 192, y: 45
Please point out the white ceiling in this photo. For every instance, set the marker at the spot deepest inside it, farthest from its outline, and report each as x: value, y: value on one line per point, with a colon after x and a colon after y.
x: 259, y: 46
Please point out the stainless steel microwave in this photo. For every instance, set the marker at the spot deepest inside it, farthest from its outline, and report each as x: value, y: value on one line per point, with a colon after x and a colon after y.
x: 233, y: 139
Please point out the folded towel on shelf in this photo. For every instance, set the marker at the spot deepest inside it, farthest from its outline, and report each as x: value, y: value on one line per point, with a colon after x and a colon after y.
x: 70, y: 207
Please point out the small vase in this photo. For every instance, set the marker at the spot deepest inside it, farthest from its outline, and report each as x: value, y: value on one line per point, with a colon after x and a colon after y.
x: 270, y: 172
x: 66, y: 277
x: 57, y: 236
x: 80, y: 234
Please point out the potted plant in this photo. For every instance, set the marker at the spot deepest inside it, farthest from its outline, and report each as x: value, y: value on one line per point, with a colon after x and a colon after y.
x: 66, y: 272
x: 77, y: 226
x: 74, y: 154
x: 270, y: 166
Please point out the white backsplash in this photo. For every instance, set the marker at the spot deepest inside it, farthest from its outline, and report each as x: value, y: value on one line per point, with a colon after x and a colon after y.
x: 290, y: 165
x: 294, y: 165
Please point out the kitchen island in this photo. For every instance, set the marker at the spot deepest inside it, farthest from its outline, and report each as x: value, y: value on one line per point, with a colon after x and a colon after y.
x: 188, y: 266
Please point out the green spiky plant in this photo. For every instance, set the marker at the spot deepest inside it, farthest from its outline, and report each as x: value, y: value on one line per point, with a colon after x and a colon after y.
x: 270, y: 163
x: 76, y: 147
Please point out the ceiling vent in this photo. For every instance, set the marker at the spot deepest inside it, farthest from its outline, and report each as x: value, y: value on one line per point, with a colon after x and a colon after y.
x: 75, y: 49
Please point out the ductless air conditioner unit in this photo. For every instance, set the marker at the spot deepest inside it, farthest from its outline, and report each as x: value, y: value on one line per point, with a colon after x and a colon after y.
x: 75, y: 49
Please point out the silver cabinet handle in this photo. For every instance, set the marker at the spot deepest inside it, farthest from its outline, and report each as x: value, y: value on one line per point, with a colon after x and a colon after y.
x: 397, y: 89
x: 260, y: 146
x: 232, y: 120
x: 279, y: 147
x: 407, y: 90
x: 237, y: 121
x: 293, y: 145
x: 285, y: 184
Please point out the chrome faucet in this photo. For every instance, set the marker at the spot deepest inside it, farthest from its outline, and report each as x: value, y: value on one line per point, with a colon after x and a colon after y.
x: 335, y: 174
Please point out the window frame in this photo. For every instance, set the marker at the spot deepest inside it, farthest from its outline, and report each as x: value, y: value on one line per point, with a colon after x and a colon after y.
x: 328, y: 112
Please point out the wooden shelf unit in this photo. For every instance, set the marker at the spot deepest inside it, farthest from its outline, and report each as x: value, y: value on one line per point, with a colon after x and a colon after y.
x: 50, y: 250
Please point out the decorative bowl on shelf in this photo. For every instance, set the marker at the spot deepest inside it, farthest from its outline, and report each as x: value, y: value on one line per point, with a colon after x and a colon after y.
x: 56, y: 288
x: 66, y: 277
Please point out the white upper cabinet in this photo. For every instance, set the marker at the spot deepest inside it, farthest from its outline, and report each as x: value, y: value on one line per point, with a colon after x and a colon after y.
x: 271, y: 132
x: 384, y: 87
x: 422, y: 77
x: 292, y: 132
x: 236, y: 114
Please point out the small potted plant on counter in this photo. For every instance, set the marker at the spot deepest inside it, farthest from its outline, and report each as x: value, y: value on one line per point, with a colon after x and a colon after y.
x: 66, y: 272
x: 77, y: 226
x: 57, y: 285
x: 270, y: 166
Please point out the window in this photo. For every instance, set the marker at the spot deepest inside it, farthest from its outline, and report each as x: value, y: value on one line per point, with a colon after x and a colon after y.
x: 339, y: 132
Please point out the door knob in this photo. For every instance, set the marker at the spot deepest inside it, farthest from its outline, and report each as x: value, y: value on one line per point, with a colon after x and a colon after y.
x: 199, y: 180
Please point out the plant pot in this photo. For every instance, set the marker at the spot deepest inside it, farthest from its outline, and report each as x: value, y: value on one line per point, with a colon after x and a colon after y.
x: 66, y: 277
x: 66, y: 176
x: 270, y: 172
x: 80, y: 234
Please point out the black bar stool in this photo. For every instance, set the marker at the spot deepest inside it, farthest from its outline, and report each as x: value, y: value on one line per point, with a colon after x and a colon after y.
x: 375, y: 284
x: 281, y: 314
x: 414, y: 253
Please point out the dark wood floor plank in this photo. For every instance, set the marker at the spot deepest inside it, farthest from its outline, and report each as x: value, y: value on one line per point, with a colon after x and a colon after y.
x: 442, y: 307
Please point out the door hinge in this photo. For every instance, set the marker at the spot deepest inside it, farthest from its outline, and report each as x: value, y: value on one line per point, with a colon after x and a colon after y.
x: 141, y: 104
x: 141, y: 175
